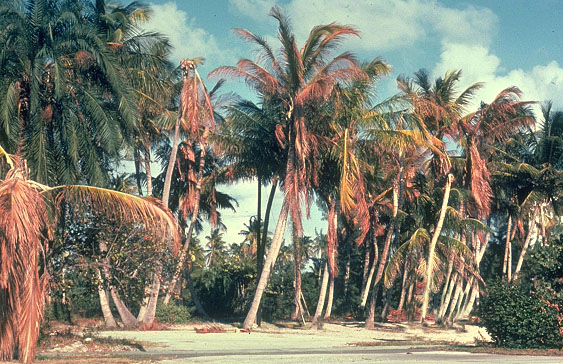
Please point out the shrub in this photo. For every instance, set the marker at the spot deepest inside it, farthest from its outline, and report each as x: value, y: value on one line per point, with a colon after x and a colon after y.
x: 517, y: 319
x: 174, y: 313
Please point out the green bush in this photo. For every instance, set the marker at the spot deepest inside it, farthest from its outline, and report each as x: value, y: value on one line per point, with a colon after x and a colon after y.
x: 518, y: 319
x: 174, y: 313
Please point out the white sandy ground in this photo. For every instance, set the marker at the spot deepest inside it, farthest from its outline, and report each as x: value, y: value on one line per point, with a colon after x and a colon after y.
x: 334, y: 343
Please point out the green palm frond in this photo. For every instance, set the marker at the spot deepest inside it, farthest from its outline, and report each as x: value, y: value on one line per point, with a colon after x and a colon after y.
x: 120, y: 206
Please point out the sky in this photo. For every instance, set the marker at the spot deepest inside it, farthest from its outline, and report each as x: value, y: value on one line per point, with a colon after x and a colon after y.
x: 500, y: 43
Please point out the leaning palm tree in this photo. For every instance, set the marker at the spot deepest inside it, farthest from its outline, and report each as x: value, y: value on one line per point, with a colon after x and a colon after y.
x: 439, y: 107
x: 292, y: 82
x: 28, y: 215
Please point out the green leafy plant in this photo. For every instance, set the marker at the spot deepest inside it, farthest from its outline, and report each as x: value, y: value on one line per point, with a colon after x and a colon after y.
x: 517, y: 319
x: 173, y: 313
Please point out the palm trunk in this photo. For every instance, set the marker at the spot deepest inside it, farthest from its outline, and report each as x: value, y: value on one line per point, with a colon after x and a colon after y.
x: 148, y: 310
x: 148, y: 172
x: 193, y: 293
x: 137, y: 158
x: 445, y: 289
x: 262, y: 248
x: 403, y: 287
x: 268, y: 264
x: 322, y: 297
x: 526, y: 243
x: 126, y: 316
x: 505, y: 262
x: 542, y: 224
x: 448, y: 298
x: 104, y: 304
x: 437, y: 231
x: 387, y: 304
x: 259, y: 219
x: 298, y: 309
x: 462, y: 302
x: 328, y: 311
x: 470, y: 303
x: 347, y: 274
x: 186, y: 246
x: 509, y: 268
x: 453, y: 303
x: 370, y: 320
x: 367, y: 284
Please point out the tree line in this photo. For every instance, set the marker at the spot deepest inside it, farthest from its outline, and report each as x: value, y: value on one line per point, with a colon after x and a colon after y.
x: 425, y: 193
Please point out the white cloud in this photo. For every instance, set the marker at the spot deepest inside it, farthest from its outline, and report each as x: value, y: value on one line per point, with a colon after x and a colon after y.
x: 185, y: 36
x: 254, y: 9
x: 541, y: 83
x: 384, y: 24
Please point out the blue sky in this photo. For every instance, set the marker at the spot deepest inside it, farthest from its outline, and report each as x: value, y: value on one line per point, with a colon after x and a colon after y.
x: 501, y: 43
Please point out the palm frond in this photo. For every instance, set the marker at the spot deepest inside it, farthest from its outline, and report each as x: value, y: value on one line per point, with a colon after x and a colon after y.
x: 121, y: 206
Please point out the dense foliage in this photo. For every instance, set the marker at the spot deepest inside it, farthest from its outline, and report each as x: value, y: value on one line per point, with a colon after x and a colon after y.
x: 516, y: 318
x: 428, y: 196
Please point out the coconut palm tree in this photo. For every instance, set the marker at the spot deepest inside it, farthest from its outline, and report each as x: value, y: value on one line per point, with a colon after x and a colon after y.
x: 67, y: 107
x: 439, y: 107
x: 292, y: 82
x: 28, y: 216
x: 247, y: 138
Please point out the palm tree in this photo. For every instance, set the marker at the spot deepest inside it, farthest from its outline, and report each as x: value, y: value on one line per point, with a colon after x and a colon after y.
x: 28, y: 225
x: 247, y: 138
x: 68, y: 107
x: 215, y: 247
x: 301, y: 76
x: 251, y: 234
x: 440, y: 109
x: 196, y: 118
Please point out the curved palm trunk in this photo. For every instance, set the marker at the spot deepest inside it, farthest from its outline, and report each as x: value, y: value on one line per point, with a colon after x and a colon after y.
x: 435, y: 236
x: 367, y: 284
x: 171, y: 162
x: 370, y: 320
x: 109, y: 321
x: 126, y: 317
x: 526, y: 243
x: 195, y: 212
x: 148, y: 309
x: 262, y: 248
x: 330, y: 299
x: 268, y: 264
x: 322, y: 297
x: 444, y: 300
x: 404, y: 284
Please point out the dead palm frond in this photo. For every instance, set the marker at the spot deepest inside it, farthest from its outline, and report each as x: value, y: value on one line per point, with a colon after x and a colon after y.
x: 25, y: 227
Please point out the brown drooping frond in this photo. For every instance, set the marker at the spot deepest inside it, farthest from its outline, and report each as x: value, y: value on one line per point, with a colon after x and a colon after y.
x: 494, y: 122
x: 148, y: 210
x: 22, y: 224
x: 195, y: 102
x: 256, y: 77
x: 479, y: 176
